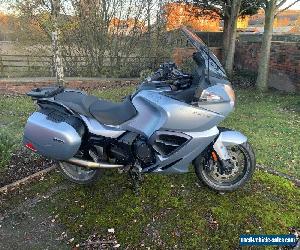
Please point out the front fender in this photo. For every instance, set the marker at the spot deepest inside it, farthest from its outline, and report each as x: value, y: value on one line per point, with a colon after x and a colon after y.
x: 228, y: 138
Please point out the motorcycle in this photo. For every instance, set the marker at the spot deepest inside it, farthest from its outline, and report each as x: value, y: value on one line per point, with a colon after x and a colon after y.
x: 169, y: 123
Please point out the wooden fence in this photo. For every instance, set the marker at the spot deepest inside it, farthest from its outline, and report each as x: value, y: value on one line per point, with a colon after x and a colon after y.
x: 25, y: 65
x: 32, y: 66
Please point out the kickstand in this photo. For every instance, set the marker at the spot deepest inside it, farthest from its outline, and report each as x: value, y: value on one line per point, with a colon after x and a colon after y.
x: 136, y: 179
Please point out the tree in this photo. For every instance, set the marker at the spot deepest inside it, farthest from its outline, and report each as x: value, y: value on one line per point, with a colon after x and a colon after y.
x: 44, y: 16
x: 97, y: 37
x: 271, y: 8
x: 57, y: 57
x: 229, y: 11
x: 231, y: 34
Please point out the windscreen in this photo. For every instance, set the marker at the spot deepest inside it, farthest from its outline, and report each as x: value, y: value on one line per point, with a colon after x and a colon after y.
x: 212, y: 64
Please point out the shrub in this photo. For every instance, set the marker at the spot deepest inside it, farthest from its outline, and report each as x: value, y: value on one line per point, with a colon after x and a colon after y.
x: 188, y: 66
x: 7, y: 146
x: 244, y: 78
x: 145, y: 73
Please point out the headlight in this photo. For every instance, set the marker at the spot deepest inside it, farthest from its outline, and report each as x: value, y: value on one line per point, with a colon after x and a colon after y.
x: 208, y: 96
x: 218, y: 93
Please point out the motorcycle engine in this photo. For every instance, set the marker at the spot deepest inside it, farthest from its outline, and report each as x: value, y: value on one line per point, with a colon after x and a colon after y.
x: 131, y: 147
x: 144, y: 152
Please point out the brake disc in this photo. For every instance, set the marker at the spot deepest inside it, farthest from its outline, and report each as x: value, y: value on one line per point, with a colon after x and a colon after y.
x: 230, y: 173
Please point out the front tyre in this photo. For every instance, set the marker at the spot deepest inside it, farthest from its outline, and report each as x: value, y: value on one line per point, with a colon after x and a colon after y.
x: 242, y: 165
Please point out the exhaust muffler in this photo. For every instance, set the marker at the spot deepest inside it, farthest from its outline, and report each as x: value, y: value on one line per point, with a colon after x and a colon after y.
x: 91, y: 164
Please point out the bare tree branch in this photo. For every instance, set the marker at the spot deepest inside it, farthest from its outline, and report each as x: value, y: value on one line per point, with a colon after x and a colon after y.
x: 289, y: 6
x: 281, y: 2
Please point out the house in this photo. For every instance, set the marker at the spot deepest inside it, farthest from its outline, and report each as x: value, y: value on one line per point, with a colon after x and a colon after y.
x: 126, y: 27
x: 178, y: 14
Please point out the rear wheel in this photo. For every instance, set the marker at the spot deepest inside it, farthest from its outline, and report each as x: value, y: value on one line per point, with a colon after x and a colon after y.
x: 80, y: 175
x: 241, y: 167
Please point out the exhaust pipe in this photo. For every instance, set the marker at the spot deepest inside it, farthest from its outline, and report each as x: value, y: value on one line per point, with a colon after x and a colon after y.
x: 91, y: 164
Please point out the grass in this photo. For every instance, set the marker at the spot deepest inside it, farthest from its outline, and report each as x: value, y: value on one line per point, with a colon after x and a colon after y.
x: 14, y: 112
x: 7, y: 146
x: 173, y: 211
x: 272, y: 123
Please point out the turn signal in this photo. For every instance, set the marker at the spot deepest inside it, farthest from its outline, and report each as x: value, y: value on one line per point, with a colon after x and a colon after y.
x: 214, y: 156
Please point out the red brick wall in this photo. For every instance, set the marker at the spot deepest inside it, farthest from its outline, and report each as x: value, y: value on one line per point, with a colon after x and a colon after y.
x: 284, y: 63
x: 181, y: 54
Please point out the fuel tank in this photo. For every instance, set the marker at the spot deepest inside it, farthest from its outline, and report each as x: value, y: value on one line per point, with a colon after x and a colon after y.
x: 53, y: 134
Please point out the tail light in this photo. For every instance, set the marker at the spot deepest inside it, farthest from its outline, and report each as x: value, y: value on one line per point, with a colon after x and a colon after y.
x: 30, y: 146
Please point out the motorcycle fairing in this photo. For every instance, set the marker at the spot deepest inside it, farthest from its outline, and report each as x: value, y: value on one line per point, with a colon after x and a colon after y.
x: 179, y: 161
x: 96, y: 128
x: 159, y: 112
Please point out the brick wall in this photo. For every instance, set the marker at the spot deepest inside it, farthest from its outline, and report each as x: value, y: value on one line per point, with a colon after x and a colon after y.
x: 181, y: 54
x: 284, y: 63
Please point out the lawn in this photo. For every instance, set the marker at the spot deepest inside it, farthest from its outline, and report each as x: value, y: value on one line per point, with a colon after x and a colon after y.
x: 175, y: 211
x: 271, y: 121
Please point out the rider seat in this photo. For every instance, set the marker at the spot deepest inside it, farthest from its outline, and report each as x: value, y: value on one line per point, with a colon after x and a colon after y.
x: 106, y: 112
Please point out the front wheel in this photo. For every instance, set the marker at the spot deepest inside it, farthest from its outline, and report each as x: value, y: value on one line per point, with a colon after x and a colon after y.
x: 242, y: 165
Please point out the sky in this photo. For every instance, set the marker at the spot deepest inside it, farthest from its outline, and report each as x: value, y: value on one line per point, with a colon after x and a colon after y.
x: 295, y: 7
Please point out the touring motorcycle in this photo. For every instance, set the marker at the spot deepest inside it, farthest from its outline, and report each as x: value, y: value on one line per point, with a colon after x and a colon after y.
x: 169, y: 125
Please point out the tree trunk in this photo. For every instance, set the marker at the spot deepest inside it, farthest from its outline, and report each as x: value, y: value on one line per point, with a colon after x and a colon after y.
x: 226, y: 32
x: 263, y: 65
x: 149, y: 25
x: 229, y: 60
x: 58, y: 64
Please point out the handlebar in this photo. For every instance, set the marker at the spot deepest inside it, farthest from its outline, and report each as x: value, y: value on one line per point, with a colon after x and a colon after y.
x: 169, y: 72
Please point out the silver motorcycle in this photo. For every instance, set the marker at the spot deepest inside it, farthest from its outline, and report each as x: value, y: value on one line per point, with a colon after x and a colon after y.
x: 169, y: 124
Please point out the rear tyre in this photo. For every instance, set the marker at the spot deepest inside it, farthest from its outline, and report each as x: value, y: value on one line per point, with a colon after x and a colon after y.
x: 79, y: 175
x: 242, y: 162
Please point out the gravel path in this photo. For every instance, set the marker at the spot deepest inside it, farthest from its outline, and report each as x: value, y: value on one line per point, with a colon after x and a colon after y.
x: 22, y: 164
x: 30, y: 226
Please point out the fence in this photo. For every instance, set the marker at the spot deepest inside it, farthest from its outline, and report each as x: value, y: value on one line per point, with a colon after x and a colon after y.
x: 33, y: 66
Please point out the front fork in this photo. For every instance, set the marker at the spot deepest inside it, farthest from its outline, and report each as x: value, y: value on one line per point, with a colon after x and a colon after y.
x: 218, y: 151
x: 227, y: 138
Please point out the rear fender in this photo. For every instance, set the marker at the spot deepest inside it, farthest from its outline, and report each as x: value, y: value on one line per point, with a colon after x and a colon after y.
x: 228, y: 138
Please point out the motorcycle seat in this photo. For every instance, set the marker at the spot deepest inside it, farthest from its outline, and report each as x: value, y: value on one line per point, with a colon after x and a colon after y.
x: 106, y: 112
x: 76, y: 101
x: 111, y: 113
